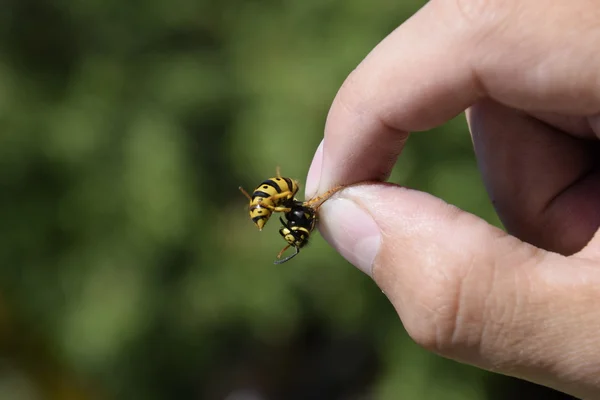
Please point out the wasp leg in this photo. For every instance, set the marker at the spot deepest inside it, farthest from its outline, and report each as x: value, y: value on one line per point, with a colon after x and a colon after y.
x: 287, y: 194
x: 273, y: 208
x: 279, y: 209
x: 323, y: 198
x: 288, y: 257
x: 245, y: 193
x: 282, y: 209
x: 276, y: 209
x: 283, y: 250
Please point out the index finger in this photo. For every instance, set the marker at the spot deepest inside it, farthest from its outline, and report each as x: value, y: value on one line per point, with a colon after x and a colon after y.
x: 444, y: 59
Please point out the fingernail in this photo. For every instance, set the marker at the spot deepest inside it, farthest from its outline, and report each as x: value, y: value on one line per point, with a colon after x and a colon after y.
x: 351, y: 231
x: 314, y: 173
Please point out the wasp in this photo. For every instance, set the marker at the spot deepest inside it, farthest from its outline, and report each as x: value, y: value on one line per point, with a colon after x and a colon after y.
x: 272, y: 195
x: 277, y: 195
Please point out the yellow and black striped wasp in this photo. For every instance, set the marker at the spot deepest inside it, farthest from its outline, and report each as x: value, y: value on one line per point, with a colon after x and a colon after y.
x: 277, y: 195
x: 272, y: 195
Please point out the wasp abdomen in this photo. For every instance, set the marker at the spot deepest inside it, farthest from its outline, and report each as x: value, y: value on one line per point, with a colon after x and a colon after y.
x: 273, y: 194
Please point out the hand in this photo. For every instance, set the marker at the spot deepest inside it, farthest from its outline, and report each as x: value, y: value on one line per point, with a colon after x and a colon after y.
x: 529, y: 74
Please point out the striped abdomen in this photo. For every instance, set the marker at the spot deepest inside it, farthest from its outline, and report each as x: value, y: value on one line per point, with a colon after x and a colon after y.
x: 271, y: 195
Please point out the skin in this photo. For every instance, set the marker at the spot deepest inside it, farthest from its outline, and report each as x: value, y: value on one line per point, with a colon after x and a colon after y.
x: 522, y: 303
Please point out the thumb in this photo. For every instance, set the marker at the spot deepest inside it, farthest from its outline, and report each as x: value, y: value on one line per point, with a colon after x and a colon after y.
x: 469, y: 291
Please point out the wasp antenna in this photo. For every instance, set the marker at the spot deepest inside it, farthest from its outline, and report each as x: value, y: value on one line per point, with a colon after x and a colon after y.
x: 288, y: 257
x: 278, y: 171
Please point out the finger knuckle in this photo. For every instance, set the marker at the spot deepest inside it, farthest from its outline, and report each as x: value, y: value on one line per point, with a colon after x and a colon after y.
x: 443, y: 313
x: 453, y: 298
x: 475, y: 305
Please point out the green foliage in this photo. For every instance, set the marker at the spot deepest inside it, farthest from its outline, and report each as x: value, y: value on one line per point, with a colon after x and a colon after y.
x: 126, y: 248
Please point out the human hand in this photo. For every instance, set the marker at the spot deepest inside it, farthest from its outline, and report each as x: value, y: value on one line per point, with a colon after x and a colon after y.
x: 529, y: 74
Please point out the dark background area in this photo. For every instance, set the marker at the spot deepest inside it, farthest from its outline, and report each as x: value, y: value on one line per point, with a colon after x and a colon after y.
x: 129, y: 266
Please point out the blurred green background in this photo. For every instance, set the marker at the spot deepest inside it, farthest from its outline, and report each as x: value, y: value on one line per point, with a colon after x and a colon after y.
x: 129, y: 267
